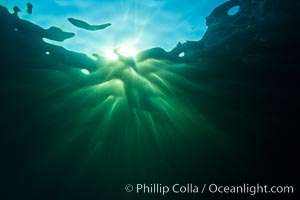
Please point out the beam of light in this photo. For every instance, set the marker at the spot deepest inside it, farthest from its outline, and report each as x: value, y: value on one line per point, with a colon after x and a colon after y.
x: 122, y: 107
x: 113, y: 87
x: 160, y: 82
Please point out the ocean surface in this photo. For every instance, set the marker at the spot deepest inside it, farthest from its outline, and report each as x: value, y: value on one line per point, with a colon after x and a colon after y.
x: 96, y: 95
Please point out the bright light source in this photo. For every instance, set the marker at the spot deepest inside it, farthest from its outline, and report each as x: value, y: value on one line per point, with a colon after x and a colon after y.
x: 127, y: 50
x: 85, y: 71
x: 47, y: 52
x: 110, y: 55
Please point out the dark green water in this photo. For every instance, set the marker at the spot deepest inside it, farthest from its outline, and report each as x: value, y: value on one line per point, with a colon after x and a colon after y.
x: 225, y: 112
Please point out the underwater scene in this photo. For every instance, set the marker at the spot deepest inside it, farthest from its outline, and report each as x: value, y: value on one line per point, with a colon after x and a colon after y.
x: 156, y: 99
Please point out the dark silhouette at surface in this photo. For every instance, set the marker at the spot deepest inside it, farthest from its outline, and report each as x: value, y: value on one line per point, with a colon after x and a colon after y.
x: 84, y: 25
x: 13, y: 22
x: 29, y: 8
x: 16, y: 10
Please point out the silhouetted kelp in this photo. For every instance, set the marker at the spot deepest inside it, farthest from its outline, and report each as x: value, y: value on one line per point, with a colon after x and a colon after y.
x: 84, y: 25
x: 17, y: 24
x: 34, y: 49
x: 217, y: 41
x: 29, y: 8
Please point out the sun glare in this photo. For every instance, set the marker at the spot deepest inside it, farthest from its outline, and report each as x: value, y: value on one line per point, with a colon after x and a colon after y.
x: 110, y: 55
x: 127, y: 50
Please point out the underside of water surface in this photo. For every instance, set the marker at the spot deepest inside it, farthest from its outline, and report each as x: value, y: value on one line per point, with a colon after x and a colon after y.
x: 221, y: 108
